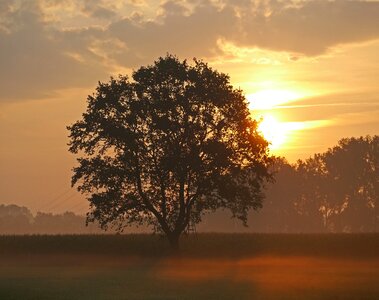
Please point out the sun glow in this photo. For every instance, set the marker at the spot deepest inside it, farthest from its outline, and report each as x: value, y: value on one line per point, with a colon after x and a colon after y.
x: 269, y: 98
x: 279, y: 134
x: 273, y: 131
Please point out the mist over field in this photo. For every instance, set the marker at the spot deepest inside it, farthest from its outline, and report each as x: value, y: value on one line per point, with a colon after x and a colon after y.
x: 211, y: 266
x: 161, y: 149
x: 335, y: 191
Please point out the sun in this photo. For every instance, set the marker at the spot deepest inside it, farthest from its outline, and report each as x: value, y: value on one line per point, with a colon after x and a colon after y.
x: 263, y: 101
x: 280, y: 134
x: 265, y: 104
x: 273, y: 131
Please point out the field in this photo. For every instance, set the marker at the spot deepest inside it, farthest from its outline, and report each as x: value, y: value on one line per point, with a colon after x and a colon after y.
x: 210, y: 266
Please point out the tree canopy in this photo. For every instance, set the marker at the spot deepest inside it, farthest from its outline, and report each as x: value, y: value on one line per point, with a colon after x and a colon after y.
x: 175, y: 141
x: 333, y: 191
x: 346, y: 183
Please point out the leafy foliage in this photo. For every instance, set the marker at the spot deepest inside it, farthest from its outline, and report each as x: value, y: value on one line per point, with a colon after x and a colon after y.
x: 163, y: 148
x: 337, y: 190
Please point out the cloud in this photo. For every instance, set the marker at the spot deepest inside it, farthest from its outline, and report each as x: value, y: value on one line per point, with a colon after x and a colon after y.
x: 308, y: 28
x: 99, y: 11
x: 176, y: 32
x: 43, y: 49
x: 330, y: 106
x: 36, y: 60
x: 312, y: 27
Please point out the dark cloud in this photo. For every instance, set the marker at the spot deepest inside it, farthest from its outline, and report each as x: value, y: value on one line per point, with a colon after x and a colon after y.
x: 304, y: 29
x: 175, y: 32
x: 97, y: 10
x: 312, y: 28
x: 37, y: 56
x: 36, y: 60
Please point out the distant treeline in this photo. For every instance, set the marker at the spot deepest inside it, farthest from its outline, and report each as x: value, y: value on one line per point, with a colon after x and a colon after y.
x: 15, y: 219
x: 335, y: 191
x: 19, y: 220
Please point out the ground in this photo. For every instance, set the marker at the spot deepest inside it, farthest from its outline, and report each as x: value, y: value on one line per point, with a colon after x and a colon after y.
x: 210, y: 266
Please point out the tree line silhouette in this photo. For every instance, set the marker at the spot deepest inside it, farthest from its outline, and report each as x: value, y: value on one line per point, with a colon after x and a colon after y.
x: 15, y: 219
x: 334, y: 191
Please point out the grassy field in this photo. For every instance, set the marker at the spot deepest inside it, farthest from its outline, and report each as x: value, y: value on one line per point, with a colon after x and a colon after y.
x: 210, y: 266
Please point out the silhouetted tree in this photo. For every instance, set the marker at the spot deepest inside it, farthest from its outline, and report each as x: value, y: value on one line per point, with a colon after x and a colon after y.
x: 353, y: 170
x: 164, y: 148
x: 279, y: 213
x: 340, y: 187
x: 312, y: 203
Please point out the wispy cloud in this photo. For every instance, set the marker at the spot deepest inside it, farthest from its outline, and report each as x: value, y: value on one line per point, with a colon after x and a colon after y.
x: 325, y: 105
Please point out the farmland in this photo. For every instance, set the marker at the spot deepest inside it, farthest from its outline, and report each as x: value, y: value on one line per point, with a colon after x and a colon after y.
x: 210, y: 266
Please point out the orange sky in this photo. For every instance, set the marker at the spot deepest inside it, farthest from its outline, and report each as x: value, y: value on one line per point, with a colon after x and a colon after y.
x: 310, y: 68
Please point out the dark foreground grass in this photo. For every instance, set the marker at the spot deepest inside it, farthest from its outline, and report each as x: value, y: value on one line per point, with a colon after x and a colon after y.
x: 210, y: 266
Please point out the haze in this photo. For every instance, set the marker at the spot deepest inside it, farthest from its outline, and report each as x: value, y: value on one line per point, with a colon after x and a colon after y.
x: 309, y: 68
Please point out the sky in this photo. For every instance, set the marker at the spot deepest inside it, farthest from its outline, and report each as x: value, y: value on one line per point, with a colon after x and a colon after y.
x: 310, y: 70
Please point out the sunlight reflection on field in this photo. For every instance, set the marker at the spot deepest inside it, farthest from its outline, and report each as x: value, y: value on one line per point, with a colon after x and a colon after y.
x: 276, y: 274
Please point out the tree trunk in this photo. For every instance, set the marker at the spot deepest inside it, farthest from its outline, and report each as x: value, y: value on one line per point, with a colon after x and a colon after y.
x: 173, y: 239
